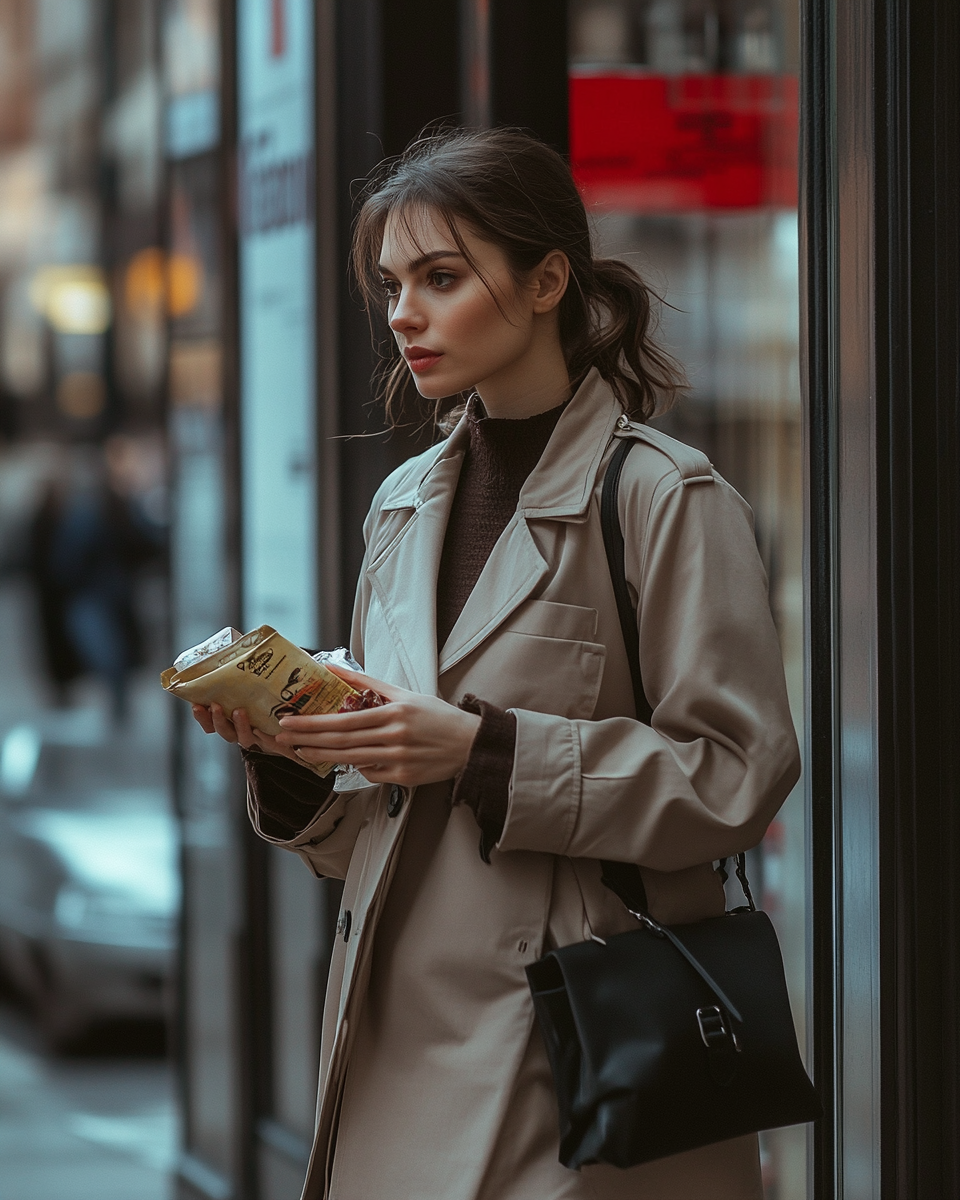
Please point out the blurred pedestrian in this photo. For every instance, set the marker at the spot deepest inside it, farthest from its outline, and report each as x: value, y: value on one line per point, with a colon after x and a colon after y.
x: 87, y: 543
x: 60, y: 658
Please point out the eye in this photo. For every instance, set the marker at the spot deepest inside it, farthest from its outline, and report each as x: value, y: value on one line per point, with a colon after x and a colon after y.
x: 391, y: 289
x: 442, y: 279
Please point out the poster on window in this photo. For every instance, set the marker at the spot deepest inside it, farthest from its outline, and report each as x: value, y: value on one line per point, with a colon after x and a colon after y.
x: 277, y: 363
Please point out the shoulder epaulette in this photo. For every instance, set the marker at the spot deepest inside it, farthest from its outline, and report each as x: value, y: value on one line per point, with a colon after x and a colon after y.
x: 693, y: 464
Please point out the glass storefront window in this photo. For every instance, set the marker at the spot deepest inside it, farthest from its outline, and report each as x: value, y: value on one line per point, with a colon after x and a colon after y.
x: 279, y: 496
x: 277, y: 285
x: 191, y: 273
x: 89, y: 882
x: 683, y: 134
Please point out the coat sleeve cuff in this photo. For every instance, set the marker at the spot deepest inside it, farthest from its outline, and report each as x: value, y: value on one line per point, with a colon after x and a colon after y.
x: 545, y: 789
x: 286, y: 796
x: 484, y: 783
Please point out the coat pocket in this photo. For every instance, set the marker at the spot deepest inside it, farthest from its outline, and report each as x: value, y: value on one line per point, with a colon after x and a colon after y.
x: 546, y: 618
x: 550, y: 674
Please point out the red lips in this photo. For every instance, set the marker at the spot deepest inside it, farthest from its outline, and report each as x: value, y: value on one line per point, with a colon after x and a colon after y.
x: 420, y: 358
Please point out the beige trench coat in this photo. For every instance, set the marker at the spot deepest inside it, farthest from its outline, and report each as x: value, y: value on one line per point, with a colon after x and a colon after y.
x: 434, y: 1081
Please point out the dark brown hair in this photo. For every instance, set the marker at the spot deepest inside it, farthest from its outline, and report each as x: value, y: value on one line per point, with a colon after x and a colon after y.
x: 518, y: 194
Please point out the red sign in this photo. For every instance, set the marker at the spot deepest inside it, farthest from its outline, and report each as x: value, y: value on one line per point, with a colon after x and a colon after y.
x: 684, y: 143
x: 278, y: 28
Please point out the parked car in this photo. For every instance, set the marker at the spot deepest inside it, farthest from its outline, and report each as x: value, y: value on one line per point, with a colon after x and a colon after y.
x: 89, y: 898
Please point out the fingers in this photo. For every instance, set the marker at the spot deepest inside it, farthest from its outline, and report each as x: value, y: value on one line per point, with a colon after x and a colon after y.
x: 360, y: 681
x: 340, y: 743
x: 246, y: 735
x: 364, y: 718
x: 237, y: 730
x: 361, y: 757
x: 203, y: 717
x: 339, y: 736
x: 251, y: 738
x: 269, y: 745
x: 222, y: 724
x: 373, y: 772
x: 413, y: 740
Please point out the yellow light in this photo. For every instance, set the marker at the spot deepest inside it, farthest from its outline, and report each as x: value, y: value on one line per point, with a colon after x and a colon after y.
x: 184, y: 284
x: 144, y: 282
x: 150, y: 275
x: 81, y: 395
x: 74, y: 299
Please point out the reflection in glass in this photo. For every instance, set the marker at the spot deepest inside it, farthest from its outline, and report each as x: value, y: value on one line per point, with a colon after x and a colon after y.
x: 683, y: 141
x: 89, y: 854
x: 184, y: 277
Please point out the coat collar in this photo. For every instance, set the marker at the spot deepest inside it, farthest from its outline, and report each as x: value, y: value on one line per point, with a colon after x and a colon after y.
x: 405, y: 577
x: 562, y: 482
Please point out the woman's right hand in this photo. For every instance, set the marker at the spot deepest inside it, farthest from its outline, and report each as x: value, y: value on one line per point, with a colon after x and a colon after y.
x: 237, y: 730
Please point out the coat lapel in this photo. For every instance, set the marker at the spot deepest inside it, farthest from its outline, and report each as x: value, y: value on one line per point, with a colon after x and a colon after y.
x: 404, y: 577
x: 562, y: 482
x: 559, y: 488
x: 509, y: 576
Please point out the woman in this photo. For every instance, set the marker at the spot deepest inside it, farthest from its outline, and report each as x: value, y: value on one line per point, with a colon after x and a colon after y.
x: 508, y: 760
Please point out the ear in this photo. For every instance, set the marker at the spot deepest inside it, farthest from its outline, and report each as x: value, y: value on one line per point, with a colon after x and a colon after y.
x: 550, y: 278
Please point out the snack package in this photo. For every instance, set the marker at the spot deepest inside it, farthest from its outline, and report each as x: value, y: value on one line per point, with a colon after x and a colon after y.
x: 220, y: 641
x: 265, y: 674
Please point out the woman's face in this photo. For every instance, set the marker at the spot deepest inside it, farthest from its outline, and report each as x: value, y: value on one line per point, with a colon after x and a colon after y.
x: 451, y: 330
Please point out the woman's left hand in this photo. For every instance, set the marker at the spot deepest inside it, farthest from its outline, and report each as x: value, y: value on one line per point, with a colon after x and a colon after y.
x: 413, y: 739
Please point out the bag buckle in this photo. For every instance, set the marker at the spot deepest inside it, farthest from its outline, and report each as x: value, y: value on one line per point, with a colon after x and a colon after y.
x: 716, y: 1033
x: 648, y: 921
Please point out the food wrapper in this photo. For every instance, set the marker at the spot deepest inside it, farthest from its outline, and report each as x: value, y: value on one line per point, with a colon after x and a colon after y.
x: 265, y: 674
x: 220, y: 641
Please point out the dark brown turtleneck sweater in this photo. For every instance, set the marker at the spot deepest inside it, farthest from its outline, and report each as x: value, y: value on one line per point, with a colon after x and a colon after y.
x: 500, y: 455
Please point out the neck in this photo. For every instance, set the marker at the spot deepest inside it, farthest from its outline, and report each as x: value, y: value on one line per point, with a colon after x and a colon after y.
x: 534, y: 383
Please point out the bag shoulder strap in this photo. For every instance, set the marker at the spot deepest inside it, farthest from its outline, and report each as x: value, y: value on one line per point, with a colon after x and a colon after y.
x: 616, y: 561
x: 624, y: 879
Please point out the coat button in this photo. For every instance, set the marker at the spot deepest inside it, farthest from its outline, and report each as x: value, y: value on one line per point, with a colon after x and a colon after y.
x: 396, y: 801
x: 343, y: 925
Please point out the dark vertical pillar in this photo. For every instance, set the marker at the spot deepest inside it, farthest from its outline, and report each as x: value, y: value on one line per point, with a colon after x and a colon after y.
x: 882, y: 381
x: 398, y: 64
x: 818, y: 287
x: 421, y: 68
x: 251, y: 1066
x: 528, y: 67
x: 362, y: 462
x: 328, y: 296
x: 918, y: 461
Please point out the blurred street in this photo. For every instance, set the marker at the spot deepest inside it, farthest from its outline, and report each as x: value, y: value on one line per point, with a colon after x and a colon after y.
x: 90, y: 1128
x: 89, y: 843
x: 99, y: 1121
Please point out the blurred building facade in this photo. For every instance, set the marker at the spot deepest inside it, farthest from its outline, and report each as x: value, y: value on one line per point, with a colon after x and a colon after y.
x: 89, y: 858
x: 175, y: 210
x: 83, y: 515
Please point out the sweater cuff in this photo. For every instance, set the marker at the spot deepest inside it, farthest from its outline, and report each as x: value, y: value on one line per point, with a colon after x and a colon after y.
x: 484, y: 783
x: 288, y: 796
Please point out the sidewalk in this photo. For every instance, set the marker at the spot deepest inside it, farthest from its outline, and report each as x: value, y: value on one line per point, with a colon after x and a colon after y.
x: 82, y: 1129
x: 101, y: 1127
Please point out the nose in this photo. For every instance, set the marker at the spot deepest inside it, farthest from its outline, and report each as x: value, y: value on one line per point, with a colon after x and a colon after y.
x: 405, y: 317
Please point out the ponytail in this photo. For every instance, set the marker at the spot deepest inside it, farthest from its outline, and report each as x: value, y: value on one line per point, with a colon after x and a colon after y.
x: 610, y: 322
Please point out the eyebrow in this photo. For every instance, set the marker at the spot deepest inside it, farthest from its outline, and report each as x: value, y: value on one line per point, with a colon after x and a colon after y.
x: 422, y: 261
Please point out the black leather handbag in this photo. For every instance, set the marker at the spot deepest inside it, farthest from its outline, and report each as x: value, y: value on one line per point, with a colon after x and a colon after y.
x: 665, y: 1039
